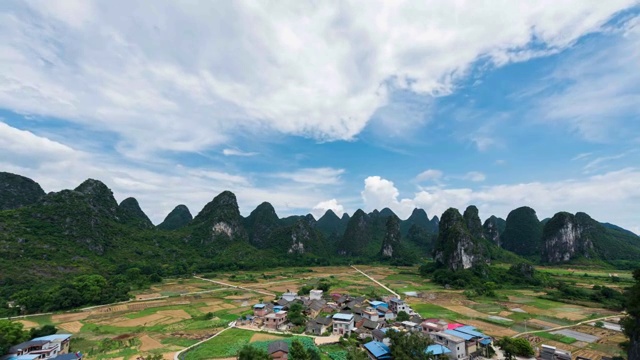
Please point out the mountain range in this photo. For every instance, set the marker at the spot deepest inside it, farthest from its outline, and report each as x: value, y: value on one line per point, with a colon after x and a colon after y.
x: 85, y: 230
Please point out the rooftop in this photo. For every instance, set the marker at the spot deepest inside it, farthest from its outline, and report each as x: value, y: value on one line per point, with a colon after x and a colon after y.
x: 437, y: 349
x: 450, y: 337
x: 471, y: 331
x: 278, y: 346
x: 378, y: 349
x: 343, y: 317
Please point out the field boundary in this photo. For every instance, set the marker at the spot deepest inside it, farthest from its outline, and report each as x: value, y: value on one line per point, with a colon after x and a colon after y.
x: 377, y: 282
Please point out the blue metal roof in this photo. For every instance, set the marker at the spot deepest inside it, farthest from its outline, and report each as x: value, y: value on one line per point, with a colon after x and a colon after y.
x: 485, y: 341
x: 28, y: 357
x: 378, y: 350
x: 377, y: 303
x: 343, y: 317
x: 259, y: 306
x: 437, y: 350
x: 471, y: 331
x: 459, y: 334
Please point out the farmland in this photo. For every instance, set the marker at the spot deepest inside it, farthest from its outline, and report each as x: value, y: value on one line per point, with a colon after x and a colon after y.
x: 177, y: 313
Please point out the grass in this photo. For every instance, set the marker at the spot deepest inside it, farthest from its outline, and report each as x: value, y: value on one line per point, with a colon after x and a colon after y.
x: 178, y: 341
x: 226, y: 344
x: 427, y: 310
x: 557, y: 337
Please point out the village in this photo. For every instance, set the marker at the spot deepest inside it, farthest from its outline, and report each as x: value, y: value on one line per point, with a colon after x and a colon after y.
x: 368, y: 320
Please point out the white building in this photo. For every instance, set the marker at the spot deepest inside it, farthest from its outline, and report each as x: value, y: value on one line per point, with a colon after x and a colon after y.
x: 343, y: 324
x: 315, y: 295
x: 455, y: 344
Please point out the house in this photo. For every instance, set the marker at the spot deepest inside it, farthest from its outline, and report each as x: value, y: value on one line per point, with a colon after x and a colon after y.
x: 278, y: 350
x: 315, y: 294
x: 315, y: 307
x: 260, y: 310
x: 274, y: 320
x: 437, y: 350
x: 548, y: 352
x: 289, y: 296
x: 71, y: 356
x: 376, y: 304
x: 343, y: 324
x: 386, y: 314
x: 44, y: 347
x: 396, y: 305
x: 278, y: 308
x: 318, y: 326
x: 377, y: 351
x: 451, y: 342
x: 411, y: 326
x: 380, y: 335
x: 433, y: 325
x: 371, y: 314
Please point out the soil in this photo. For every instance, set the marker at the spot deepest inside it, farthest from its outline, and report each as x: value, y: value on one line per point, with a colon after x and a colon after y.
x: 149, y: 343
x: 264, y: 337
x: 28, y: 324
x: 465, y: 311
x: 73, y: 326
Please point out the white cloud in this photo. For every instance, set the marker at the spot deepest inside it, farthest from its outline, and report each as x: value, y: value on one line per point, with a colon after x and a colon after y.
x: 429, y: 174
x: 475, y: 176
x: 379, y: 193
x: 236, y: 152
x: 314, y: 176
x: 612, y: 197
x: 158, y: 187
x: 314, y: 69
x: 595, y: 93
x: 323, y: 206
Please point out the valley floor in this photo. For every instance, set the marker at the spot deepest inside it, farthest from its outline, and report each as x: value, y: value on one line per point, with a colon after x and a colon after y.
x: 172, y: 315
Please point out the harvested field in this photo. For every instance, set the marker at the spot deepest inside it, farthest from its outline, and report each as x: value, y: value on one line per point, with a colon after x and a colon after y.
x: 73, y: 326
x: 505, y: 313
x: 465, y: 311
x: 589, y: 354
x: 163, y: 317
x: 264, y: 337
x: 491, y: 329
x: 110, y: 309
x: 543, y: 324
x: 70, y: 317
x: 28, y: 324
x: 170, y: 355
x: 149, y: 343
x: 217, y: 307
x: 534, y: 310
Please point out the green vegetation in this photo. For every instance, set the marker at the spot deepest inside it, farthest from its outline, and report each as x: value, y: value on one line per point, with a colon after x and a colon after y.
x: 557, y: 337
x: 515, y: 347
x: 631, y: 323
x: 408, y: 346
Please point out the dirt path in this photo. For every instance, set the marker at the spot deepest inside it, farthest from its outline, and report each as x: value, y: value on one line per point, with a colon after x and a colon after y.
x: 377, y: 282
x: 568, y: 326
x: 236, y: 286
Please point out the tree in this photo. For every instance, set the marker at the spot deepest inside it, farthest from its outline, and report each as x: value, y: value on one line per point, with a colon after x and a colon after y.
x: 248, y: 352
x: 354, y: 354
x: 298, y: 352
x: 403, y: 316
x: 43, y: 331
x: 631, y: 323
x: 294, y: 315
x: 408, y: 346
x: 11, y: 333
x: 513, y: 347
x: 324, y: 285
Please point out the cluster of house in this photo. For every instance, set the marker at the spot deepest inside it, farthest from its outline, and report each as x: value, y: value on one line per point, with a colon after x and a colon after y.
x: 344, y: 315
x: 43, y: 348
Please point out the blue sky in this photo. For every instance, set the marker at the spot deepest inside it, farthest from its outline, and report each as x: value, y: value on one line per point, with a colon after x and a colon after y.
x: 312, y: 106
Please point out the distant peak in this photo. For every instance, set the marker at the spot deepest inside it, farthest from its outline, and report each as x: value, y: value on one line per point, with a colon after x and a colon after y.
x: 179, y: 217
x: 91, y: 186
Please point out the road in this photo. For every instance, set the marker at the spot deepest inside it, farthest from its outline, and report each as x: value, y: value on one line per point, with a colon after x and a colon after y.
x: 236, y: 286
x: 377, y: 282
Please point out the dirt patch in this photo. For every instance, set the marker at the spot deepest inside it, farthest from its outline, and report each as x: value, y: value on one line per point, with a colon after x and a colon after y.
x: 147, y: 296
x: 217, y: 307
x: 264, y: 337
x: 571, y: 315
x: 28, y: 324
x: 534, y: 310
x: 505, y: 313
x: 589, y: 354
x: 73, y: 326
x: 170, y: 355
x: 149, y: 343
x: 490, y: 329
x: 70, y: 317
